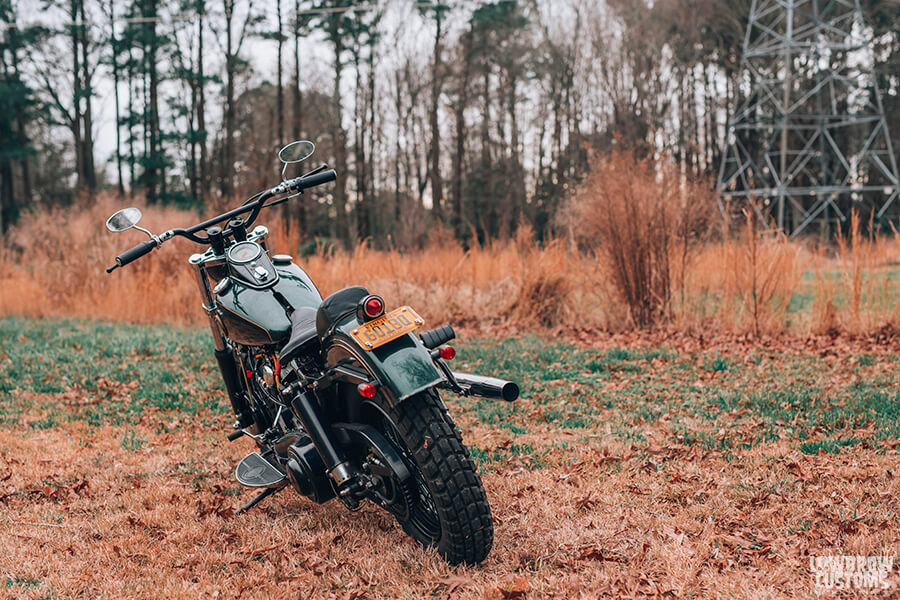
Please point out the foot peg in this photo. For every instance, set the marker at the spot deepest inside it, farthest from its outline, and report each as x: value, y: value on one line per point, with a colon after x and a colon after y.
x: 435, y: 337
x: 256, y: 471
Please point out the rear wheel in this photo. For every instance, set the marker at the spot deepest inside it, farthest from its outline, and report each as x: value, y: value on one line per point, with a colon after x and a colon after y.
x: 448, y: 508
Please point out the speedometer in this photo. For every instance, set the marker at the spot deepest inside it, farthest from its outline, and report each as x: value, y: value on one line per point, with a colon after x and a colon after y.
x: 244, y: 252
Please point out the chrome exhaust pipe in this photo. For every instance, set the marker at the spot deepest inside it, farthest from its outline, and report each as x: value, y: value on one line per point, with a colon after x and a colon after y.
x: 488, y: 387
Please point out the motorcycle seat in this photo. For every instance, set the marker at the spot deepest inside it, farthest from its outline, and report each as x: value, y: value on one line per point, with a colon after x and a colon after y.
x: 303, y: 329
x: 337, y: 305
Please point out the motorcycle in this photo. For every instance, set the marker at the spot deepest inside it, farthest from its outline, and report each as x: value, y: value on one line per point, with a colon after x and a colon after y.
x: 339, y: 395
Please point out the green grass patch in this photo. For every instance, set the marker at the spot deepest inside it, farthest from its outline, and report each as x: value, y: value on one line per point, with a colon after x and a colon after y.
x: 624, y: 391
x: 833, y: 446
x: 172, y: 368
x: 715, y: 364
x: 131, y: 441
x: 23, y: 582
x: 530, y: 456
x: 865, y: 360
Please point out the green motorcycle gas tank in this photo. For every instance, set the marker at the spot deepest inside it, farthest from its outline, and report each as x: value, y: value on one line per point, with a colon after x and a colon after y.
x: 255, y: 317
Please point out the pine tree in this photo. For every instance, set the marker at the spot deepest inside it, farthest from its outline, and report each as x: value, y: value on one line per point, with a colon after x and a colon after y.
x: 17, y: 104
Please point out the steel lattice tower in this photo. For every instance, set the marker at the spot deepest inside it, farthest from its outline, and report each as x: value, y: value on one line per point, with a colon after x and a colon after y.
x: 809, y: 140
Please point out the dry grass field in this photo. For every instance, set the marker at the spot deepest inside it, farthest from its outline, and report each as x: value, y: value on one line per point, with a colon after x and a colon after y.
x: 651, y: 465
x: 52, y: 264
x: 756, y: 426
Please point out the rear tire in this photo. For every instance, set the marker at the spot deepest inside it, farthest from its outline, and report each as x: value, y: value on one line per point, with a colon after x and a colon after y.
x: 456, y: 519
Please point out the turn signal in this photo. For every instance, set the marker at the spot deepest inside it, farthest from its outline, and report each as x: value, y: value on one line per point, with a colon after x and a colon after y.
x: 366, y: 390
x: 448, y: 352
x: 374, y: 306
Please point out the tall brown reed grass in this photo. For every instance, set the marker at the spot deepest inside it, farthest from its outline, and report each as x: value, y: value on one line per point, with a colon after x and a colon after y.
x: 52, y: 264
x: 761, y: 274
x: 862, y: 281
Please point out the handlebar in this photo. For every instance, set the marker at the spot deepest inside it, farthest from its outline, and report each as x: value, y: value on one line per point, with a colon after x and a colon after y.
x: 302, y: 183
x: 312, y: 179
x: 133, y: 254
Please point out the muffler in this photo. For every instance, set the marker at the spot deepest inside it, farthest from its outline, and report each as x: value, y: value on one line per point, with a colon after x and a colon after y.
x: 488, y: 387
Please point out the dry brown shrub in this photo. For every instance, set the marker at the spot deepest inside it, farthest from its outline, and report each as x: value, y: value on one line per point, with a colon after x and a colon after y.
x: 644, y: 218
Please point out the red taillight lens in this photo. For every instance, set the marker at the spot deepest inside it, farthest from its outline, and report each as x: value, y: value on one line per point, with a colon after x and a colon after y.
x: 374, y: 307
x: 366, y: 390
x: 447, y: 352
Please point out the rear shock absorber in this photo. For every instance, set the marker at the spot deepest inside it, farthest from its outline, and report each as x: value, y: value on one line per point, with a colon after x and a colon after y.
x: 306, y: 408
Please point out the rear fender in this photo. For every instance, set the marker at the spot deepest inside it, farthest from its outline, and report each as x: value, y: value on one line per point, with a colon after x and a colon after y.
x: 400, y: 368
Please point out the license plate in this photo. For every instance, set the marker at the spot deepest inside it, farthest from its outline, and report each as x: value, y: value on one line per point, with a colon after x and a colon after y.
x: 387, y: 327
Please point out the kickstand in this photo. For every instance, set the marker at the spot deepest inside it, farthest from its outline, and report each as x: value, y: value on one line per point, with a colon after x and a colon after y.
x: 262, y: 496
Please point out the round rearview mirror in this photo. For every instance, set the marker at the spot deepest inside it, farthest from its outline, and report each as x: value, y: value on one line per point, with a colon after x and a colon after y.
x: 124, y: 219
x: 296, y: 152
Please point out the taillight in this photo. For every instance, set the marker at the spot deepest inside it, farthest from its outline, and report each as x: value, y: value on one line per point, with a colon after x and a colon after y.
x: 366, y: 390
x: 447, y: 352
x: 373, y: 306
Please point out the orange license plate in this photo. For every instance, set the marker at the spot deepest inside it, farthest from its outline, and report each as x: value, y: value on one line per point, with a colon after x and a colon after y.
x: 387, y: 327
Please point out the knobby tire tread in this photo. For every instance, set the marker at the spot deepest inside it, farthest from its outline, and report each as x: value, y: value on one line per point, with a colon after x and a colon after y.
x: 467, y: 531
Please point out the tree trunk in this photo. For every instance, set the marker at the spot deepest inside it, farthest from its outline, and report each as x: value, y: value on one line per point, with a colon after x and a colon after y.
x: 279, y: 106
x: 369, y: 178
x: 89, y: 172
x: 517, y: 187
x: 707, y: 121
x: 21, y: 135
x: 359, y: 158
x: 695, y: 123
x: 157, y: 169
x: 297, y: 116
x: 6, y: 190
x: 298, y: 95
x: 680, y: 154
x: 437, y: 192
x: 76, y: 120
x: 486, y: 119
x: 200, y: 108
x: 131, y: 94
x: 459, y: 222
x: 340, y: 145
x: 193, y: 171
x: 228, y: 155
x: 401, y: 130
x: 114, y: 46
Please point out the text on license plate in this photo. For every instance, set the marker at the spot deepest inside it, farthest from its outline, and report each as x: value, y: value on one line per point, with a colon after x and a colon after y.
x: 387, y: 327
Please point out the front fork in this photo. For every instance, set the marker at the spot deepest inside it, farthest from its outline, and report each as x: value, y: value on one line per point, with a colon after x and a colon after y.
x: 223, y: 352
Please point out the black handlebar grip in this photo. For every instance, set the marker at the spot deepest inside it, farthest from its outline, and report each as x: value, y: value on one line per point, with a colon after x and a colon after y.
x: 317, y: 179
x: 435, y: 337
x: 135, y: 253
